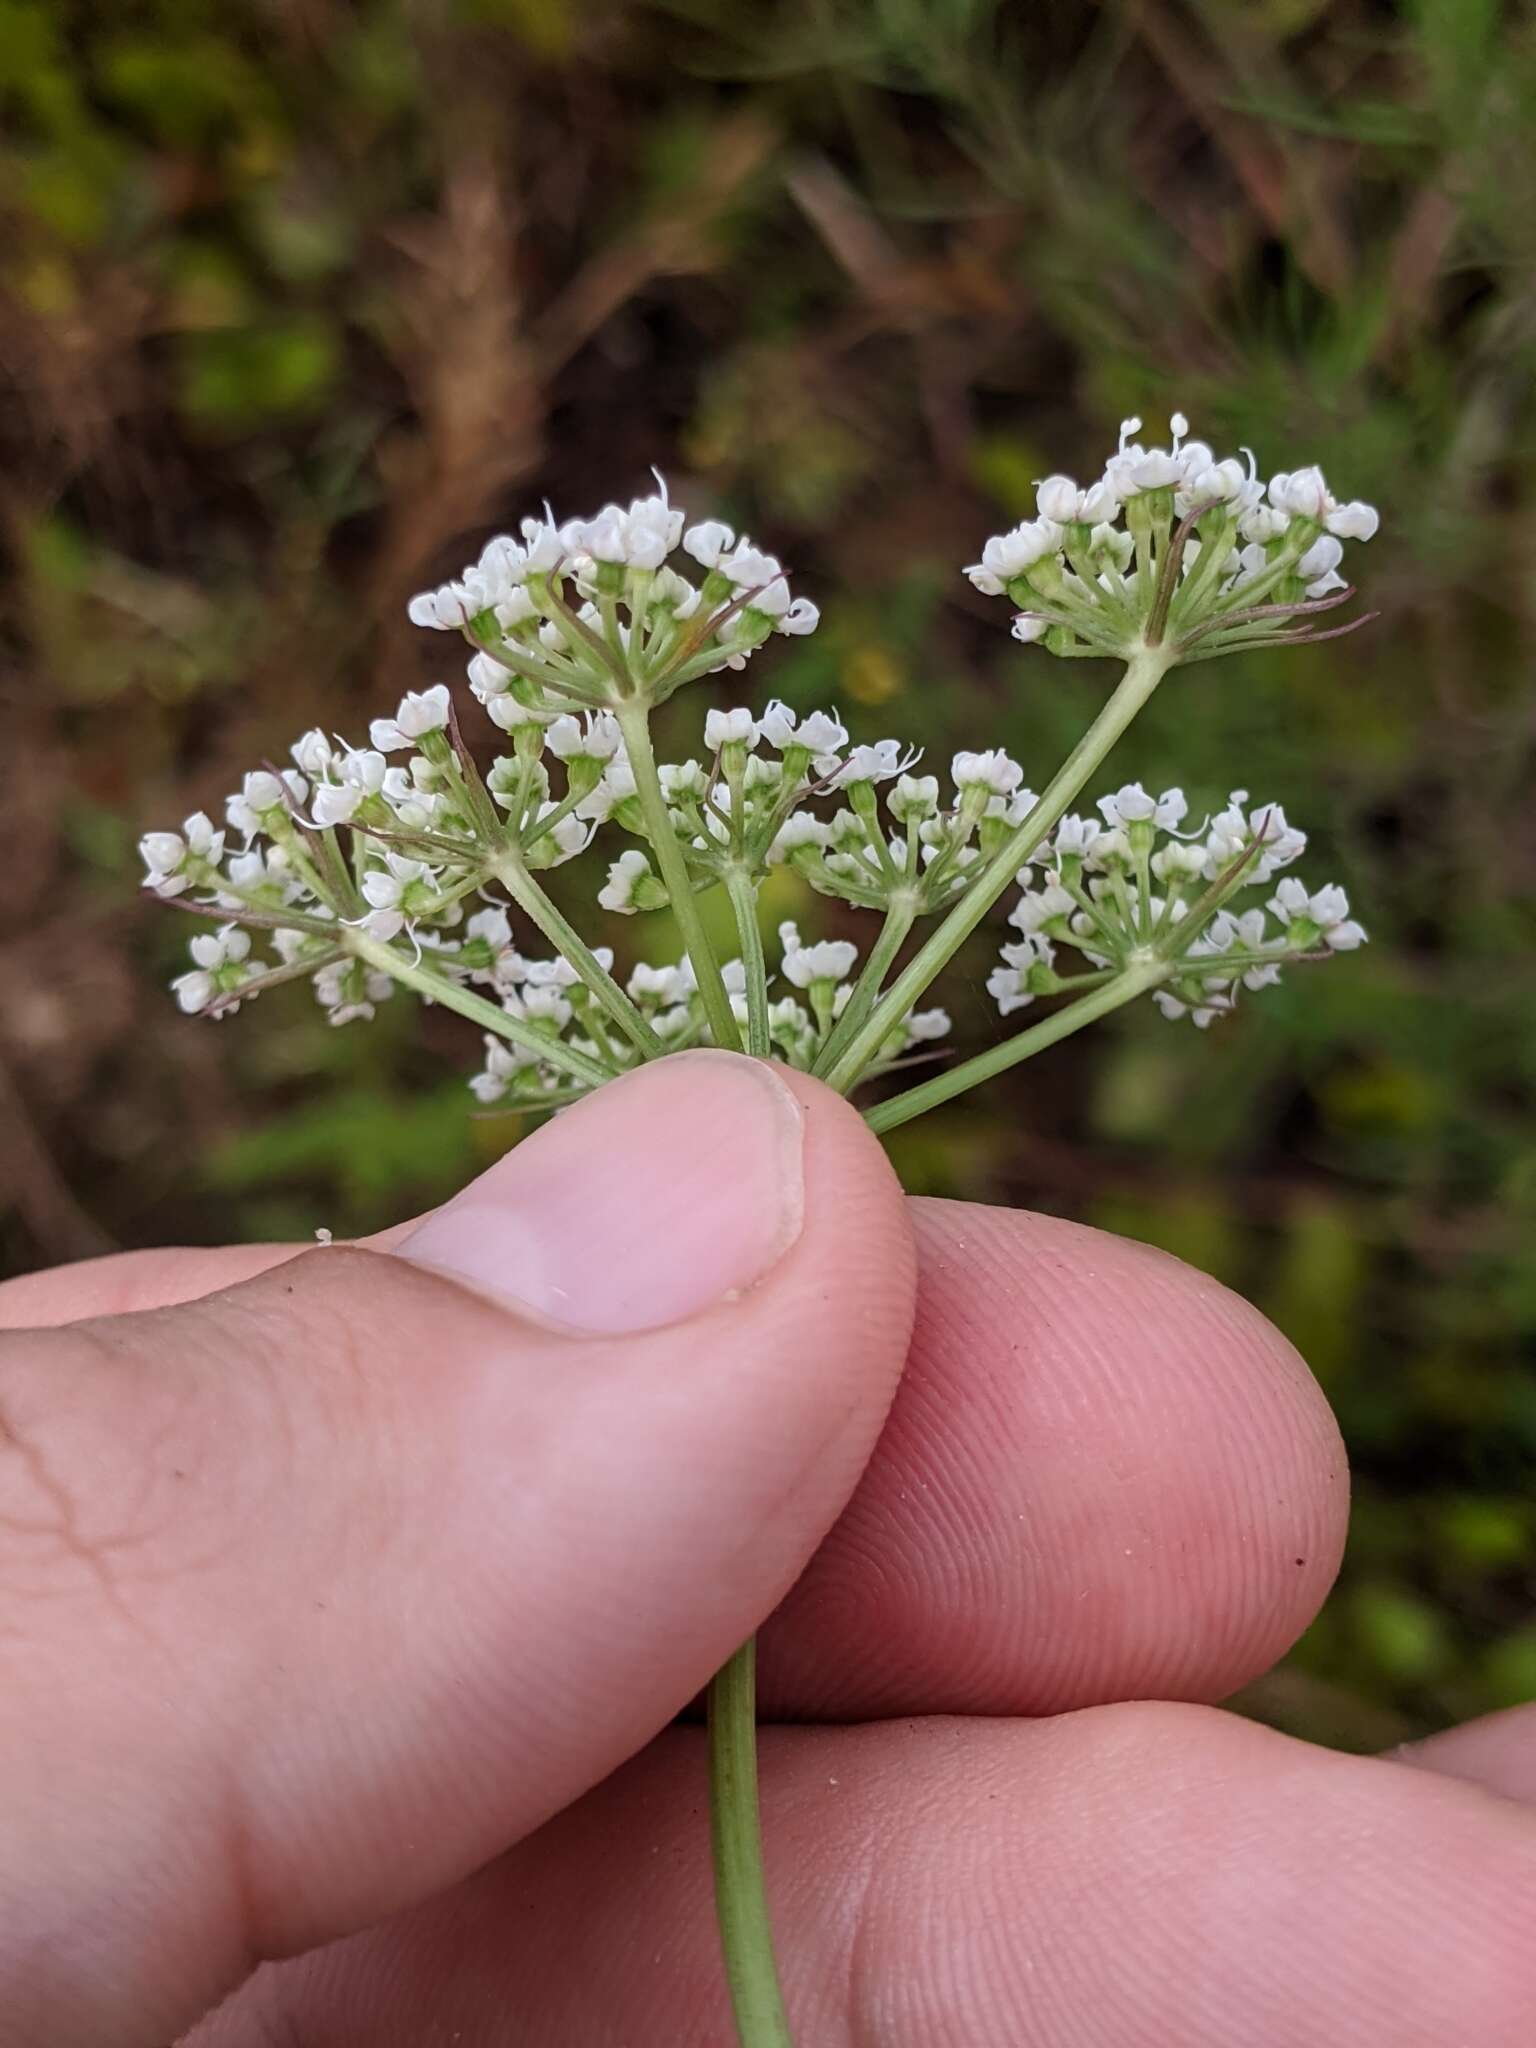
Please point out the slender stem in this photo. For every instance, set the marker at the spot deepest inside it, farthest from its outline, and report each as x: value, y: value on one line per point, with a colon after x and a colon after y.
x: 563, y: 936
x: 288, y: 837
x: 738, y: 886
x: 635, y: 726
x: 741, y: 1899
x: 1248, y: 594
x: 438, y: 988
x: 1143, y: 672
x: 259, y: 915
x: 997, y: 1059
x: 866, y: 990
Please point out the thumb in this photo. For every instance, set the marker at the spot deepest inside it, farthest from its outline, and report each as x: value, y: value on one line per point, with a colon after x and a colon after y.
x: 318, y: 1592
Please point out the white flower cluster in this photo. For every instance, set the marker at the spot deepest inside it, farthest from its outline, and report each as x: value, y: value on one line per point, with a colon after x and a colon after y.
x: 1200, y: 548
x: 799, y: 1022
x: 777, y: 790
x: 428, y: 838
x: 586, y: 612
x: 405, y: 860
x: 1129, y: 890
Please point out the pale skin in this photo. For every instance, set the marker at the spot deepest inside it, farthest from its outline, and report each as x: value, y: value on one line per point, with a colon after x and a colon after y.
x: 347, y: 1617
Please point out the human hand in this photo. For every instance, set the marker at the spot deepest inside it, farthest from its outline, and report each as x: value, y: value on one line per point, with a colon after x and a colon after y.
x: 331, y: 1587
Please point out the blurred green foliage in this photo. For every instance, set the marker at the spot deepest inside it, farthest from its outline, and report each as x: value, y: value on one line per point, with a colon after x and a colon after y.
x: 303, y: 297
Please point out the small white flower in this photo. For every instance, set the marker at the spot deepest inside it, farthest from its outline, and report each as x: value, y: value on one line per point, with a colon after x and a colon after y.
x: 1058, y: 499
x: 447, y: 609
x: 1014, y: 809
x: 799, y: 618
x: 827, y: 960
x: 1134, y: 469
x: 1244, y: 933
x: 516, y: 609
x: 1112, y: 849
x: 350, y: 994
x: 1028, y: 628
x: 652, y: 529
x: 1176, y: 862
x: 1218, y: 483
x: 708, y: 542
x: 218, y: 959
x: 487, y: 678
x: 542, y: 545
x: 419, y: 712
x: 567, y: 836
x: 1301, y: 493
x: 360, y: 774
x: 675, y: 594
x: 992, y: 770
x: 1261, y: 524
x: 1008, y: 555
x: 542, y: 1002
x: 684, y: 781
x: 493, y: 926
x: 581, y: 739
x: 1009, y: 986
x: 1037, y: 908
x: 777, y: 724
x: 1074, y: 836
x: 727, y: 728
x: 1005, y: 987
x: 503, y: 1064
x: 1354, y: 521
x: 1132, y: 806
x: 881, y: 762
x: 261, y: 794
x: 914, y: 797
x: 624, y: 876
x: 666, y: 985
x: 509, y: 712
x: 823, y: 732
x: 263, y: 871
x: 414, y: 806
x: 799, y: 829
x: 923, y: 1026
x: 750, y: 569
x: 165, y: 854
x: 617, y: 782
x: 1327, y: 909
x: 312, y: 753
x: 386, y: 890
x: 1319, y: 566
x: 1233, y: 831
x: 1202, y: 1016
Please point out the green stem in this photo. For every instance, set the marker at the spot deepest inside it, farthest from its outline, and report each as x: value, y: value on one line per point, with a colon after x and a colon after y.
x: 563, y: 936
x: 741, y: 1899
x: 738, y: 886
x: 1143, y: 672
x: 899, y: 919
x: 438, y: 988
x: 997, y: 1059
x: 635, y: 726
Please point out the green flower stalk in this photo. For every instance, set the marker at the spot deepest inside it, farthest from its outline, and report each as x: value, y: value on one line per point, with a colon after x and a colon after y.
x: 409, y: 864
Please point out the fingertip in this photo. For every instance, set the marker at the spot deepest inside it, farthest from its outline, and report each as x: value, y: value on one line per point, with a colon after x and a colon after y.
x: 1106, y: 1476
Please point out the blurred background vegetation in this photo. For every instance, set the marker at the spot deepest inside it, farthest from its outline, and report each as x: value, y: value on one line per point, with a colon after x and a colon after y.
x: 302, y: 298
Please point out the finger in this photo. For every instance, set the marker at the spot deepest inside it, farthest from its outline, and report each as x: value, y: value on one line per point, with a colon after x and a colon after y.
x: 321, y: 1590
x: 125, y: 1283
x: 1498, y: 1752
x: 1128, y: 1877
x: 1105, y: 1477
